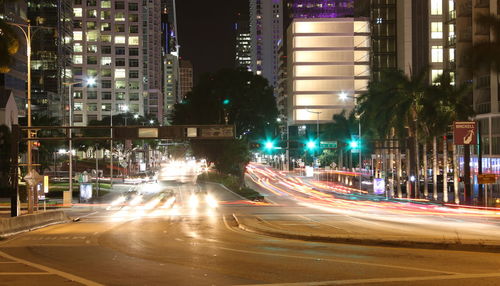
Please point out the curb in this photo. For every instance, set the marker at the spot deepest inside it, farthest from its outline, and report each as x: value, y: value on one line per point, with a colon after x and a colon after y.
x: 457, y: 246
x: 16, y: 225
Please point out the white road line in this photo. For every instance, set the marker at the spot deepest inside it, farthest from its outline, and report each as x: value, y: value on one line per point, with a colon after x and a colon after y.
x: 51, y: 270
x: 338, y: 261
x: 386, y: 280
x: 8, y: 262
x: 24, y: 273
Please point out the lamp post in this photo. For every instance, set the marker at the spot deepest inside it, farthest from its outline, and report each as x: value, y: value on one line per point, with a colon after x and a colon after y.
x: 68, y: 196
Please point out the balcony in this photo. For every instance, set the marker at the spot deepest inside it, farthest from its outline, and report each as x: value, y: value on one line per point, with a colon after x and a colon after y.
x: 482, y: 108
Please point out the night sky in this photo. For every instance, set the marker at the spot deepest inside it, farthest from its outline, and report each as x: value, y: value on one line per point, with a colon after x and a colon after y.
x: 206, y: 32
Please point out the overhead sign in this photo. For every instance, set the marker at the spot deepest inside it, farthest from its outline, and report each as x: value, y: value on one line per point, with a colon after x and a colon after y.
x: 486, y: 179
x: 328, y: 144
x: 465, y: 133
x: 215, y: 132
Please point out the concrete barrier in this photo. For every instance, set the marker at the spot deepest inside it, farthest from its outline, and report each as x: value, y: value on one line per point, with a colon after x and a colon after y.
x: 9, y: 226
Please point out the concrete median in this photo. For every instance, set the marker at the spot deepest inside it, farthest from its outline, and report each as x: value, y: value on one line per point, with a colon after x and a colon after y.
x: 253, y: 224
x: 10, y: 226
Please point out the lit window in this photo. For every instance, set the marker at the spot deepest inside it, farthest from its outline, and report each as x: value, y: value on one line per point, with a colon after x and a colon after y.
x: 451, y: 5
x: 77, y: 48
x: 451, y: 31
x: 78, y: 59
x: 133, y: 40
x: 106, y: 38
x: 452, y: 54
x: 437, y: 54
x: 120, y: 40
x: 77, y: 35
x: 437, y: 30
x: 105, y: 4
x: 119, y: 16
x: 106, y: 61
x: 92, y: 36
x: 78, y: 106
x: 120, y: 84
x: 120, y: 73
x: 435, y: 74
x: 436, y: 7
x: 78, y: 12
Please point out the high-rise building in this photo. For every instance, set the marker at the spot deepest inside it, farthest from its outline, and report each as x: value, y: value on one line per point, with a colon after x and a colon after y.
x: 113, y: 42
x: 243, y: 45
x: 328, y: 58
x: 170, y: 48
x: 15, y: 79
x: 266, y: 30
x: 185, y: 78
x: 51, y: 56
x: 322, y: 8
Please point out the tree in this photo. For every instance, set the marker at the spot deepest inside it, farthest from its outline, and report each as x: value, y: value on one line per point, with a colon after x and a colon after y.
x: 9, y: 42
x: 485, y: 53
x: 342, y: 128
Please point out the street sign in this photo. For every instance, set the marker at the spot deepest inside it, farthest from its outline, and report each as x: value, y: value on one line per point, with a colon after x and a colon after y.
x: 465, y: 133
x: 215, y: 132
x: 328, y: 144
x: 486, y: 178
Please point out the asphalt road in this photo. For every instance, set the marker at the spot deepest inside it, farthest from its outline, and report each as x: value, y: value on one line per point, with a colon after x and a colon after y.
x: 153, y: 242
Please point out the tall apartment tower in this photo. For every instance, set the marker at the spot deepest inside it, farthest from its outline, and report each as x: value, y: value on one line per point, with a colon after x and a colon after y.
x: 51, y: 57
x: 113, y: 43
x: 243, y: 45
x: 170, y: 54
x: 266, y: 30
x: 185, y: 78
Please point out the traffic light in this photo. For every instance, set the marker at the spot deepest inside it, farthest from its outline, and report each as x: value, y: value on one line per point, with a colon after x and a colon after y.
x: 354, y: 144
x: 311, y: 145
x: 226, y: 101
x: 269, y: 145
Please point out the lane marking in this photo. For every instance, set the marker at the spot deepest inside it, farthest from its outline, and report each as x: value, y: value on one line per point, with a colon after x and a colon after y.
x: 24, y: 273
x: 385, y: 280
x: 8, y: 262
x: 338, y: 260
x: 51, y: 270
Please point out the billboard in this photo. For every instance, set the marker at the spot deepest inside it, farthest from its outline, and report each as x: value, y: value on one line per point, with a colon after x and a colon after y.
x: 465, y: 133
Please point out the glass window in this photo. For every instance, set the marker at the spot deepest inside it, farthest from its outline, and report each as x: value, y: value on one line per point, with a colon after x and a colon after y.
x: 133, y: 96
x: 120, y: 84
x: 120, y: 95
x: 91, y: 94
x: 105, y: 27
x: 436, y: 30
x: 437, y: 54
x: 78, y: 94
x: 91, y: 2
x: 119, y: 5
x: 120, y: 28
x: 106, y: 72
x: 120, y: 73
x: 133, y: 63
x: 91, y: 25
x: 92, y: 60
x: 78, y: 106
x: 106, y: 50
x: 106, y: 84
x: 78, y: 59
x: 105, y: 4
x: 106, y: 107
x: 133, y: 85
x: 78, y: 118
x: 91, y: 106
x: 134, y: 108
x: 77, y: 24
x: 436, y: 7
x: 119, y: 39
x: 105, y: 61
x: 91, y: 72
x: 134, y: 29
x: 133, y: 74
x: 106, y: 38
x: 78, y: 12
x: 77, y: 48
x: 133, y: 7
x: 78, y: 2
x: 133, y: 40
x: 106, y: 95
x: 122, y: 107
x: 105, y: 15
x: 133, y: 52
x: 435, y: 74
x: 77, y: 71
x: 452, y: 54
x: 120, y: 51
x: 92, y: 13
x: 451, y: 30
x: 77, y: 35
x: 120, y: 62
x: 134, y: 18
x: 119, y: 16
x: 92, y: 36
x: 92, y: 49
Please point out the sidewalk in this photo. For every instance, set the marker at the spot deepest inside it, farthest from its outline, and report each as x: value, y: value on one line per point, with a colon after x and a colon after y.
x: 329, y: 232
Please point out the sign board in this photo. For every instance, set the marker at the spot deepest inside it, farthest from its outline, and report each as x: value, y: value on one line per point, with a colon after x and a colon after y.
x: 191, y: 132
x: 465, y: 133
x: 45, y: 184
x: 309, y: 171
x: 214, y: 132
x: 486, y: 179
x: 328, y: 144
x: 379, y: 186
x: 147, y: 132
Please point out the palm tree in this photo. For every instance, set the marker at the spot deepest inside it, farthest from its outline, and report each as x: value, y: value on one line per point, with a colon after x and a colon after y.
x: 485, y: 53
x: 9, y: 43
x: 341, y: 130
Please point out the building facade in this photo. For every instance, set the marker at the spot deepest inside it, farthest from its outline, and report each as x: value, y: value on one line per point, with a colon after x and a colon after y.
x: 170, y: 54
x: 185, y: 79
x: 243, y: 45
x: 266, y: 30
x: 328, y: 58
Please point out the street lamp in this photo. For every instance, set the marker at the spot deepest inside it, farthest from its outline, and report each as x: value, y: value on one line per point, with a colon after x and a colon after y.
x: 68, y: 197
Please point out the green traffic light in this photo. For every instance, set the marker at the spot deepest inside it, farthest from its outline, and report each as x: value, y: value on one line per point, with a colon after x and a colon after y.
x: 269, y: 145
x: 311, y: 145
x: 354, y: 144
x: 225, y: 102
